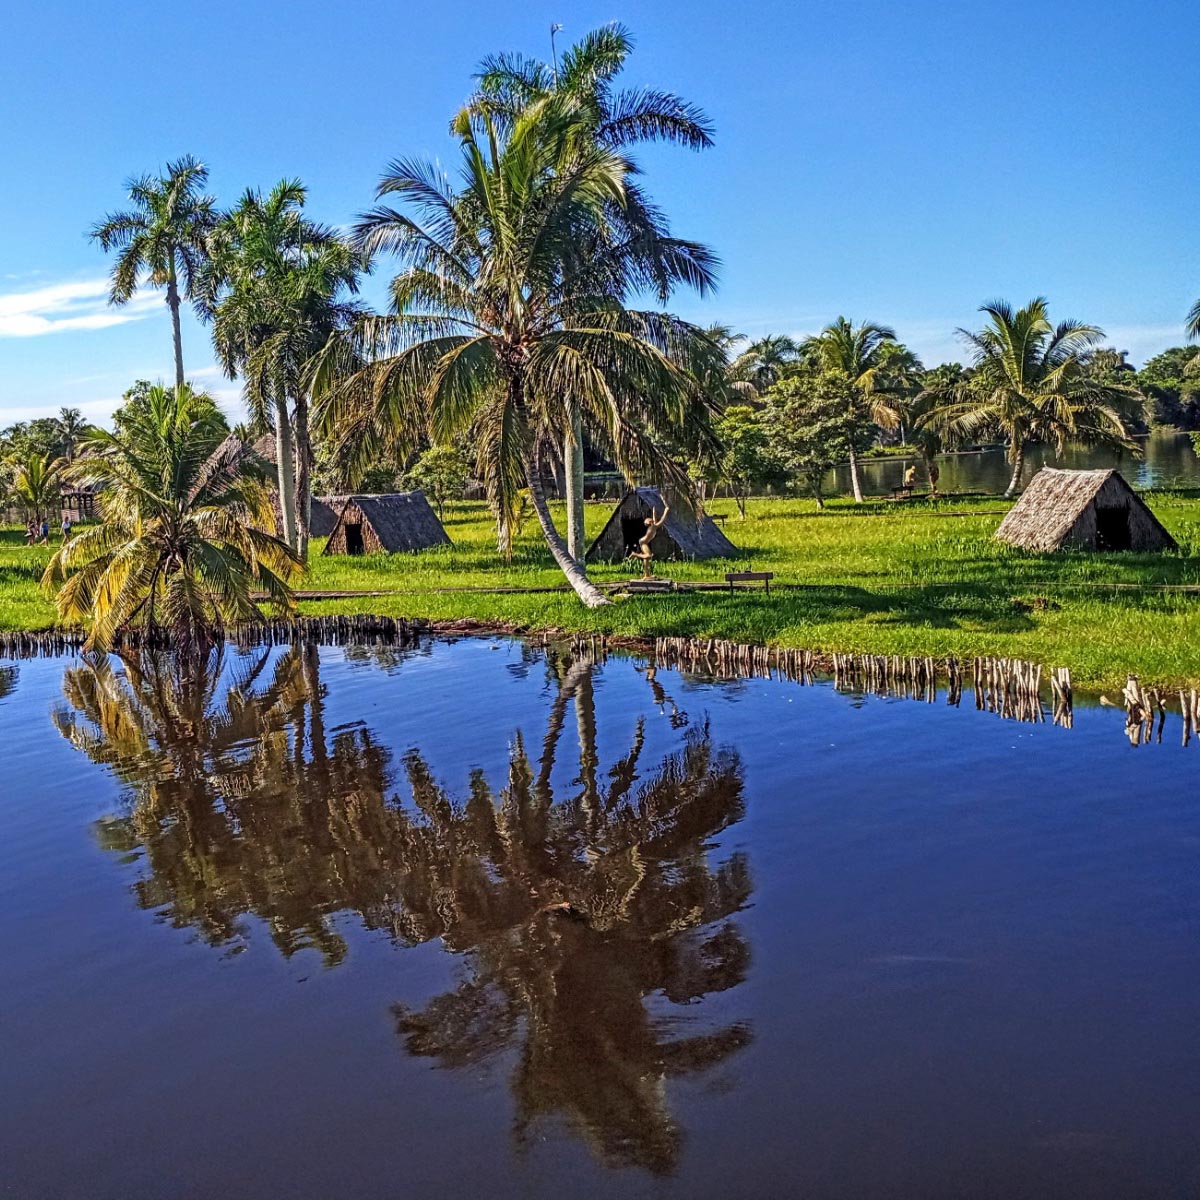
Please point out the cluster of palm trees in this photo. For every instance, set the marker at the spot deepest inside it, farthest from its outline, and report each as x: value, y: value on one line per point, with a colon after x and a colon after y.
x: 512, y: 325
x: 1029, y: 382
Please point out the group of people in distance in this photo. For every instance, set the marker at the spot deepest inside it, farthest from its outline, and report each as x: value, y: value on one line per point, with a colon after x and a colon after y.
x: 37, y: 533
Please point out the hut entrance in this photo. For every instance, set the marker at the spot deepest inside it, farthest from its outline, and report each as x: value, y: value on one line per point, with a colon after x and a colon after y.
x: 632, y: 531
x: 1112, y: 529
x: 354, y: 538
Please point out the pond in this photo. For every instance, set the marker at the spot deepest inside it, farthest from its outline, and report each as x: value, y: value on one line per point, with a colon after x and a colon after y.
x: 489, y: 918
x: 1168, y: 459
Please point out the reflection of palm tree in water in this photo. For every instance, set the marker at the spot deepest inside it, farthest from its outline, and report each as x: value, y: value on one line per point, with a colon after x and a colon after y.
x: 570, y: 913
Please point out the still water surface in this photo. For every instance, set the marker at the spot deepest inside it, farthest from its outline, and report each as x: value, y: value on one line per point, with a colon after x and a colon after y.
x: 479, y: 919
x: 1167, y: 460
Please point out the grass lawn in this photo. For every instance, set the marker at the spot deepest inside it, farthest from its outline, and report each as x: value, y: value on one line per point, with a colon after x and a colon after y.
x: 916, y: 578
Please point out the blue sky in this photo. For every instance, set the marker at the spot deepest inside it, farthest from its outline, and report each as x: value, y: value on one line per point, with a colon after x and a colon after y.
x: 901, y: 161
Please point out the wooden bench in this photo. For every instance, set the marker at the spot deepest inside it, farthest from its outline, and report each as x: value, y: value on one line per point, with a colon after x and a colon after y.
x: 763, y: 577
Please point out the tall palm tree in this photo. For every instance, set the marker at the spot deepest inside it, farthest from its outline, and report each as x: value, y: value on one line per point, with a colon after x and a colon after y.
x: 70, y: 427
x: 1030, y: 384
x: 162, y: 240
x: 36, y: 482
x: 509, y: 303
x: 276, y: 288
x: 181, y: 544
x: 1193, y: 331
x: 585, y: 78
x: 860, y: 352
x: 763, y: 362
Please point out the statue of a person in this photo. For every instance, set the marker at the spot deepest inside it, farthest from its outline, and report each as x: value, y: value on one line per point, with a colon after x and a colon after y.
x: 645, y: 550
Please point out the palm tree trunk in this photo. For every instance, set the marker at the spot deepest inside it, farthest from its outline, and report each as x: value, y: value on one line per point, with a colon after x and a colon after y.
x: 571, y: 568
x: 303, y: 477
x: 173, y: 305
x: 1018, y: 467
x: 285, y: 458
x: 855, y: 486
x: 573, y: 472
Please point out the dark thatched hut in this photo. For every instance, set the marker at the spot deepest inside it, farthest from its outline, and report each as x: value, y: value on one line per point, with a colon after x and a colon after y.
x: 386, y: 525
x: 1086, y: 510
x: 683, y: 536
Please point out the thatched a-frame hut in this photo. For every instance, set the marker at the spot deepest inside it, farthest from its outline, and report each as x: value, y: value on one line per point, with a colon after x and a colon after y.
x: 386, y: 525
x: 1086, y: 510
x: 685, y: 535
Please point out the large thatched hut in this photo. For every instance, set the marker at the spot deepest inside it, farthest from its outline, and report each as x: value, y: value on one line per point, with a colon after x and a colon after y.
x: 1087, y: 510
x: 685, y: 535
x: 385, y: 525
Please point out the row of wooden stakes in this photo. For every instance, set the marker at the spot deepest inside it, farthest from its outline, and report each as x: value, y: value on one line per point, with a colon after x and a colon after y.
x: 1009, y: 687
x: 348, y: 630
x: 1146, y: 712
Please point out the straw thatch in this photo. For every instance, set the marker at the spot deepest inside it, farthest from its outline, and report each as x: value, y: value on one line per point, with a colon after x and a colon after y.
x: 1087, y: 510
x: 401, y: 521
x: 685, y: 535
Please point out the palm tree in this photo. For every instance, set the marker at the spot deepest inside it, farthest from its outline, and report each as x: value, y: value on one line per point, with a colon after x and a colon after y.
x: 275, y: 288
x: 860, y: 352
x: 181, y: 545
x: 937, y: 387
x: 162, y: 240
x: 1193, y: 331
x: 764, y: 362
x: 70, y: 426
x: 508, y: 308
x: 584, y: 79
x: 1030, y: 384
x: 36, y: 482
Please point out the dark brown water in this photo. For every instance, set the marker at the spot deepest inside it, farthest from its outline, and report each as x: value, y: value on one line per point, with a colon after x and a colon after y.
x: 482, y: 920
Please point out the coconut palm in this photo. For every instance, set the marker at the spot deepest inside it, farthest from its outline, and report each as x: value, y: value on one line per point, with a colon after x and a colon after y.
x: 36, y: 482
x: 584, y: 77
x: 275, y: 288
x: 1030, y: 384
x: 764, y: 362
x: 162, y: 240
x: 180, y: 546
x: 861, y: 353
x: 1193, y: 331
x: 70, y: 426
x: 508, y: 308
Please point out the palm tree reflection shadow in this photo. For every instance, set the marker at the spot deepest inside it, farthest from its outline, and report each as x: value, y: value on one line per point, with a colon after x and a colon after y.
x: 581, y: 921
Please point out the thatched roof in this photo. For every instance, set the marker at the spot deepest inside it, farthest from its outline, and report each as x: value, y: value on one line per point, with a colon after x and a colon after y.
x: 685, y: 535
x: 398, y: 521
x: 1094, y: 510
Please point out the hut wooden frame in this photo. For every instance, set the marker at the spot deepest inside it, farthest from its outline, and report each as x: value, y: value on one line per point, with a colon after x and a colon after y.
x: 684, y: 536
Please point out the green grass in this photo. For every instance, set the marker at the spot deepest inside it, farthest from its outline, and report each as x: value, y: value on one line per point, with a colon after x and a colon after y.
x: 917, y: 578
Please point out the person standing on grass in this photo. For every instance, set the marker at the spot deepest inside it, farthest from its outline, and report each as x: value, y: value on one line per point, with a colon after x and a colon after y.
x: 45, y: 531
x: 66, y: 526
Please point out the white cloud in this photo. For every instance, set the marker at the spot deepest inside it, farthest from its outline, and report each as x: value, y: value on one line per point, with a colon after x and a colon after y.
x: 62, y: 306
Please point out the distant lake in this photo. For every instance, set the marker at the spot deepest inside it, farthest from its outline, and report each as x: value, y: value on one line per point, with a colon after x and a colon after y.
x: 1168, y: 460
x: 487, y: 919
